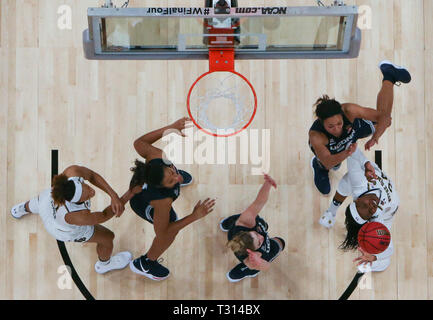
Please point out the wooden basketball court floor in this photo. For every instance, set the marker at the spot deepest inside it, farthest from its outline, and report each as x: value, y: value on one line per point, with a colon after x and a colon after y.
x: 52, y: 98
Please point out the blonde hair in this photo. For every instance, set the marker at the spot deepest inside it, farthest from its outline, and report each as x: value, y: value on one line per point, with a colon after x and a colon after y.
x: 241, y: 242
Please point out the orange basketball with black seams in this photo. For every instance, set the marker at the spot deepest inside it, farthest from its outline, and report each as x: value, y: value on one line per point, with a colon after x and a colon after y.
x: 374, y: 237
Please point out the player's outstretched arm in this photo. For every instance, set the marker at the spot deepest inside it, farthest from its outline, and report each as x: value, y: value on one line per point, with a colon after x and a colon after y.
x: 98, y: 181
x: 143, y: 145
x: 87, y: 218
x: 164, y: 228
x: 248, y: 217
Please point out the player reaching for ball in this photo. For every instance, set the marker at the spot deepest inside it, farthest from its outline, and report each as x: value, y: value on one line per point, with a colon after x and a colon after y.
x: 248, y: 237
x: 374, y: 200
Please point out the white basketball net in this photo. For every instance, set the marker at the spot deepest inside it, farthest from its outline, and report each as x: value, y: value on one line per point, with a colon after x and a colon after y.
x: 222, y: 102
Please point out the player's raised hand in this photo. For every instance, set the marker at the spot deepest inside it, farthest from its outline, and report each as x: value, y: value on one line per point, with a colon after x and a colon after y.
x: 370, y: 173
x: 365, y: 257
x: 270, y: 180
x: 117, y: 206
x: 202, y: 209
x: 181, y: 124
x: 254, y: 259
x: 370, y: 143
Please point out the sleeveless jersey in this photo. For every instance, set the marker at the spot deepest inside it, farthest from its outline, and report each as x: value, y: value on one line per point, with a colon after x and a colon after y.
x: 53, y: 217
x: 389, y: 200
x: 359, y: 129
x: 261, y: 228
x: 358, y: 185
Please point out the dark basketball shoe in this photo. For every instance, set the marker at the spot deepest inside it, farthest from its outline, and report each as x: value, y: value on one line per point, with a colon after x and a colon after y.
x: 227, y: 223
x: 187, y: 178
x: 148, y: 268
x: 240, y: 272
x: 282, y: 241
x: 394, y: 73
x: 321, y: 177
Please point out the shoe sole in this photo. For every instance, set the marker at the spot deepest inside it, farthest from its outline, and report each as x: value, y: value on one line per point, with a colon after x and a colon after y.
x: 394, y: 65
x: 14, y: 216
x: 323, y: 225
x: 134, y: 269
x: 326, y: 226
x: 187, y: 184
x: 120, y: 268
x: 221, y: 226
x: 17, y: 218
x: 232, y: 281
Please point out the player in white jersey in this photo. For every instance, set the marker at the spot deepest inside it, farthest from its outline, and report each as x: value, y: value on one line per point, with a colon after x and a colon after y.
x: 65, y: 212
x: 375, y: 200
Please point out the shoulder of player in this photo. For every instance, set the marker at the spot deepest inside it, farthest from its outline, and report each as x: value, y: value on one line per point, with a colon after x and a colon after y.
x: 351, y: 111
x: 161, y: 203
x: 317, y: 137
x: 245, y: 221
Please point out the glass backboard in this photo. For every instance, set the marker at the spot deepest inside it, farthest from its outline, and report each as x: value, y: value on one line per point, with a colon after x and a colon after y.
x: 254, y: 33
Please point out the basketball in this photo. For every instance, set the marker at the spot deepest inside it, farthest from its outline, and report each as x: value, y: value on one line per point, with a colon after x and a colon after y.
x: 374, y: 237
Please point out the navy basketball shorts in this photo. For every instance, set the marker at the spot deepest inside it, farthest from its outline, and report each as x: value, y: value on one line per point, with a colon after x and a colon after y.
x: 146, y: 211
x: 366, y: 129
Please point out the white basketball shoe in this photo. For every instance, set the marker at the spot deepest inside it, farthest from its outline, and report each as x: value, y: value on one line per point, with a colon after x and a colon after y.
x: 19, y: 210
x: 327, y: 219
x: 118, y: 261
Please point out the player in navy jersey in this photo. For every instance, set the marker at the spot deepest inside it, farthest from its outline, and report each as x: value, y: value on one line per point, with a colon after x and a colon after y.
x: 333, y: 136
x: 248, y: 238
x: 160, y: 181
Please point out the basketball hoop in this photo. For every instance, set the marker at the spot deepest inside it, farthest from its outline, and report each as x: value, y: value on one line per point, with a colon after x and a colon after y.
x: 222, y: 102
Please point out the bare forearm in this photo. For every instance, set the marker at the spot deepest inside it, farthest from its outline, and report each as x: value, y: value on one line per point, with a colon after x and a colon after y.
x: 262, y: 196
x: 332, y: 160
x: 100, y: 182
x: 153, y: 136
x: 108, y: 213
x: 176, y: 226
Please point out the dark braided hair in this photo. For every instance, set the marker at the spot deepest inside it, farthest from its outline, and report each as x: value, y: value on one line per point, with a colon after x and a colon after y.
x: 352, y: 227
x: 62, y: 189
x: 327, y: 107
x: 150, y: 173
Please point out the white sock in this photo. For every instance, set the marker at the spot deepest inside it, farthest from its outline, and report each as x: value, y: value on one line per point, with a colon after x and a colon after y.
x: 334, y: 207
x: 104, y: 263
